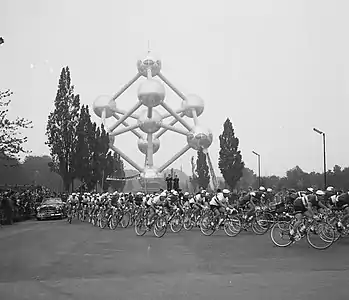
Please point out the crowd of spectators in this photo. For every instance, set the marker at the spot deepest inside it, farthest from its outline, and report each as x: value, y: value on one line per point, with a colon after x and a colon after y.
x: 19, y: 203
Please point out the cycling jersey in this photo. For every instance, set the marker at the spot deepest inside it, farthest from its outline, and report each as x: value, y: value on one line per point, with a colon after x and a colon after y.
x: 216, y: 199
x: 343, y: 199
x: 313, y: 200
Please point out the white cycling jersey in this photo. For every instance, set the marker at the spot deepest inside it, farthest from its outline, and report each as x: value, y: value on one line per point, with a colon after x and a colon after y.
x: 218, y: 197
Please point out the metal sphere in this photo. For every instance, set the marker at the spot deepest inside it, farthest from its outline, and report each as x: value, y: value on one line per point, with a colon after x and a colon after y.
x: 193, y: 102
x: 151, y: 93
x: 149, y: 63
x: 104, y: 102
x: 143, y: 145
x: 149, y: 125
x: 199, y: 138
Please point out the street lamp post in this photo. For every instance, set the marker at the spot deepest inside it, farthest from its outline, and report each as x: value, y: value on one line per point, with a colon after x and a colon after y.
x: 324, y: 149
x: 259, y: 167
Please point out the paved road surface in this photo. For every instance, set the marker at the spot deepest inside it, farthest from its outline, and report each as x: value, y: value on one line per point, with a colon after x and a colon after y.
x: 55, y: 260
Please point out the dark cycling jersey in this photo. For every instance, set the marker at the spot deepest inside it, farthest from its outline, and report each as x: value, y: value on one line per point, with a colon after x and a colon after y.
x: 314, y: 200
x: 343, y: 199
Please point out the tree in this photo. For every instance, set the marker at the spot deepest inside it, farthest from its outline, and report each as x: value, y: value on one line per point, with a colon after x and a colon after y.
x: 61, y: 129
x: 83, y: 146
x: 99, y: 156
x: 202, y: 170
x: 248, y: 179
x: 230, y: 159
x: 11, y: 140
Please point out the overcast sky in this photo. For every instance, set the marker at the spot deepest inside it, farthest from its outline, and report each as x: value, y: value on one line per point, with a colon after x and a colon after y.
x: 275, y: 68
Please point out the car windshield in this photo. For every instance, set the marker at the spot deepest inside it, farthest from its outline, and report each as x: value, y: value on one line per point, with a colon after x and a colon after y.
x: 51, y: 202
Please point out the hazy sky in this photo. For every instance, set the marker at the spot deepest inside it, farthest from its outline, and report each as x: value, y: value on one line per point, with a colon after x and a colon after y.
x: 275, y: 68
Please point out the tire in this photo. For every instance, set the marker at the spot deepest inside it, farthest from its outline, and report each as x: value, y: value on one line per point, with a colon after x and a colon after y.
x: 113, y: 222
x: 206, y: 226
x: 103, y: 222
x: 188, y: 223
x: 260, y: 225
x: 125, y: 220
x: 232, y: 226
x: 176, y: 224
x: 160, y: 227
x: 279, y: 228
x: 140, y: 226
x: 321, y: 232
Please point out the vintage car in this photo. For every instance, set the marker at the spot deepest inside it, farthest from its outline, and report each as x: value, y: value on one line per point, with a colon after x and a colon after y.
x: 51, y: 208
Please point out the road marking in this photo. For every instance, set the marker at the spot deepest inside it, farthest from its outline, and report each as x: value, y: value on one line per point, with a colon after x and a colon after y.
x: 115, y: 250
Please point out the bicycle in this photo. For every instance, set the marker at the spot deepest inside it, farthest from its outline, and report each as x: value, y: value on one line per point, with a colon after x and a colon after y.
x: 312, y: 228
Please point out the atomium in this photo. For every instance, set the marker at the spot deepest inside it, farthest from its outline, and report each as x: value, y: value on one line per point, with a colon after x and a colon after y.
x: 151, y: 94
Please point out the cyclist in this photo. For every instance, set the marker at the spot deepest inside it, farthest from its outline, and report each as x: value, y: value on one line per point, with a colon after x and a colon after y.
x: 198, y: 202
x: 218, y: 204
x: 152, y: 204
x: 251, y: 200
x: 341, y: 201
x: 73, y: 202
x: 303, y: 206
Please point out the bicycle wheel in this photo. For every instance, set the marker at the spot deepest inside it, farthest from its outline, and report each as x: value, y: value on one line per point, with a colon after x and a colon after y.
x: 176, y: 224
x: 140, y: 226
x: 280, y: 234
x: 103, y: 222
x: 260, y: 225
x: 160, y: 227
x: 113, y: 222
x: 320, y: 235
x: 232, y: 226
x: 333, y: 221
x: 188, y: 223
x: 207, y: 225
x: 125, y: 220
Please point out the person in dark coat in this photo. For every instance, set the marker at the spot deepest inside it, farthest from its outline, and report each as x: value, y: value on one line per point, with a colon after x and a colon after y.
x: 169, y: 180
x: 176, y: 183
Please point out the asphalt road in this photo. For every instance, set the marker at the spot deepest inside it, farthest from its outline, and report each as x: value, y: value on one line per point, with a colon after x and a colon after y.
x: 55, y: 260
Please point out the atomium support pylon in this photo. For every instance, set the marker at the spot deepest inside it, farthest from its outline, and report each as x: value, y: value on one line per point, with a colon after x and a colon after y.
x: 151, y: 93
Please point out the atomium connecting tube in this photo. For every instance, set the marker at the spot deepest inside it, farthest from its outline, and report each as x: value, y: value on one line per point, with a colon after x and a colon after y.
x: 174, y: 158
x: 127, y: 125
x: 171, y: 86
x: 126, y: 86
x: 178, y: 118
x: 126, y: 158
x: 123, y: 130
x: 174, y: 129
x: 162, y: 131
x: 125, y: 116
x: 150, y: 150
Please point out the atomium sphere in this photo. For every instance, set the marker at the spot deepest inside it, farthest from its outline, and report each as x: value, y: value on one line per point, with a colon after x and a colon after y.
x: 149, y: 63
x: 143, y: 145
x: 151, y: 93
x: 199, y: 138
x: 149, y: 125
x: 193, y: 102
x: 104, y: 102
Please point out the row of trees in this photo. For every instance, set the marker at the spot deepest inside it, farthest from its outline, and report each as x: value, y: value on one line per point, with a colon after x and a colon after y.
x: 237, y: 176
x: 79, y: 148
